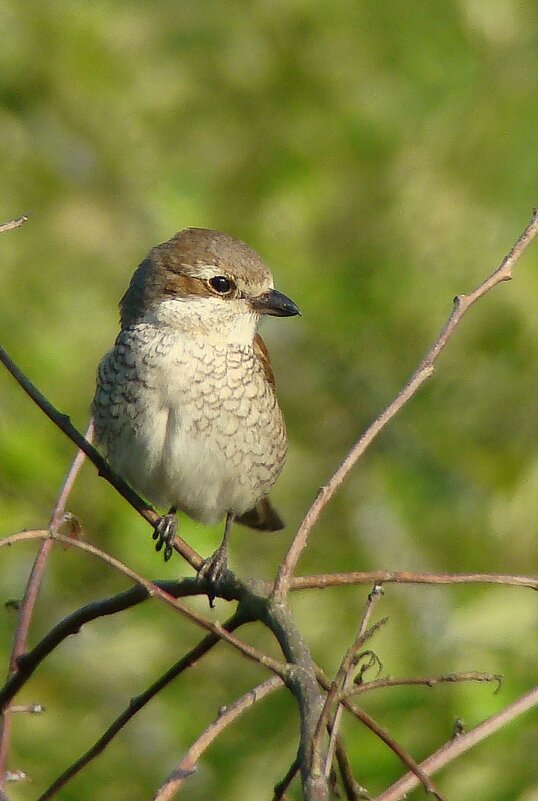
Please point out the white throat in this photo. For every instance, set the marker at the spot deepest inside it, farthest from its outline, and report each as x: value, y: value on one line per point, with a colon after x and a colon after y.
x: 211, y: 319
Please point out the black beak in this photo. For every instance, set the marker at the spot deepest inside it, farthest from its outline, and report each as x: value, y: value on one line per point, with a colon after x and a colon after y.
x: 275, y: 303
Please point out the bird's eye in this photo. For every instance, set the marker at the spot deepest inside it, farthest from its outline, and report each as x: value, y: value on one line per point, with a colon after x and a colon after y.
x: 221, y: 284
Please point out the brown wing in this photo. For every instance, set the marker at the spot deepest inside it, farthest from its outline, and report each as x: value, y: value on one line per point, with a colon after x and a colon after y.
x: 262, y: 354
x: 262, y: 517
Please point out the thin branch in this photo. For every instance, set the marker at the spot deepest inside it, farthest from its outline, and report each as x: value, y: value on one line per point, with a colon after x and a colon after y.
x: 29, y: 661
x: 385, y: 737
x: 299, y: 675
x: 25, y: 536
x: 63, y: 422
x: 11, y: 224
x: 355, y: 578
x: 137, y: 703
x: 188, y: 764
x: 339, y: 684
x: 459, y: 745
x: 35, y: 579
x: 426, y: 681
x: 353, y: 790
x: 425, y: 369
x: 297, y: 678
x: 326, y: 580
x: 155, y: 591
x: 282, y: 786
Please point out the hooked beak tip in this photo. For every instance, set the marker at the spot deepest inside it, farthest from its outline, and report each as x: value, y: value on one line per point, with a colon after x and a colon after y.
x: 276, y: 304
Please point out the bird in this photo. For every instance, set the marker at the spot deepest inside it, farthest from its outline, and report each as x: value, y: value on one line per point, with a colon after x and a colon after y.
x: 185, y: 408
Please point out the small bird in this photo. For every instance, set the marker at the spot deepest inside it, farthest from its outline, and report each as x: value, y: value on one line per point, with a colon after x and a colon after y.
x: 185, y: 408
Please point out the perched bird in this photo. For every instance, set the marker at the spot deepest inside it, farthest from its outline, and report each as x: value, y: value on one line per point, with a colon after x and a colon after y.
x: 185, y: 408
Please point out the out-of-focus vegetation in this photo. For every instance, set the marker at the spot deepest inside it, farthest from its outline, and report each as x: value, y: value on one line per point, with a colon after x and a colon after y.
x: 381, y: 157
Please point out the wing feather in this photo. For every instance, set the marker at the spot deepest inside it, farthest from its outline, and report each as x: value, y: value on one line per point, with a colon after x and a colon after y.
x: 260, y: 349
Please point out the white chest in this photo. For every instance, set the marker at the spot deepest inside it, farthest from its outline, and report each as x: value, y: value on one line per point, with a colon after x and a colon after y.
x: 195, y: 425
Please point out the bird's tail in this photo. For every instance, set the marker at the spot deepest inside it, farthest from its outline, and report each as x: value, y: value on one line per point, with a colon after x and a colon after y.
x: 262, y: 517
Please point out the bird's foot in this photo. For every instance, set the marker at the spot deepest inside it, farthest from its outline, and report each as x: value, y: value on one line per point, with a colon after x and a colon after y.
x: 215, y: 566
x: 165, y: 533
x: 213, y: 569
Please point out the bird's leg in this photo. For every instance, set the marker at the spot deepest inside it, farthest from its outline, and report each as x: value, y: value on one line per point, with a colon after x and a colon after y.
x: 165, y: 532
x: 216, y: 565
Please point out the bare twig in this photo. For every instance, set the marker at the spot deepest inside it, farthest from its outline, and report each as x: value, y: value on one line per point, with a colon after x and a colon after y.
x: 325, y: 580
x: 155, y: 591
x: 425, y: 369
x: 30, y: 595
x: 11, y: 224
x: 461, y: 744
x: 426, y: 681
x: 385, y: 737
x: 137, y: 703
x: 353, y: 790
x: 187, y: 766
x: 71, y: 624
x: 25, y: 536
x: 28, y: 662
x: 355, y: 578
x: 340, y: 684
x: 299, y: 675
x: 282, y: 786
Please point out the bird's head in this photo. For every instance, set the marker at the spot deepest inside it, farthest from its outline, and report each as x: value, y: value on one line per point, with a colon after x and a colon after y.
x: 205, y: 284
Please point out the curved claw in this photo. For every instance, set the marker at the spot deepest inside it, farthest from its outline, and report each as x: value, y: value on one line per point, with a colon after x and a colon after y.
x: 165, y: 533
x: 213, y: 569
x: 215, y: 566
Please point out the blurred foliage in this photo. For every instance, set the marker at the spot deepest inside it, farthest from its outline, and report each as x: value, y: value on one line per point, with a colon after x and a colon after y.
x: 382, y: 158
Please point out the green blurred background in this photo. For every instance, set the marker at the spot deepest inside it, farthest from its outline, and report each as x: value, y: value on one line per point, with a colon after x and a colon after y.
x: 382, y: 157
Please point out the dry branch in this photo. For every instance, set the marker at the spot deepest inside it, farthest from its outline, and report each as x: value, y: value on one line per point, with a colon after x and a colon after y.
x: 425, y: 369
x: 426, y: 681
x: 461, y: 744
x: 228, y: 715
x: 137, y: 703
x: 28, y: 602
x: 325, y: 580
x: 28, y: 662
x: 340, y: 684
